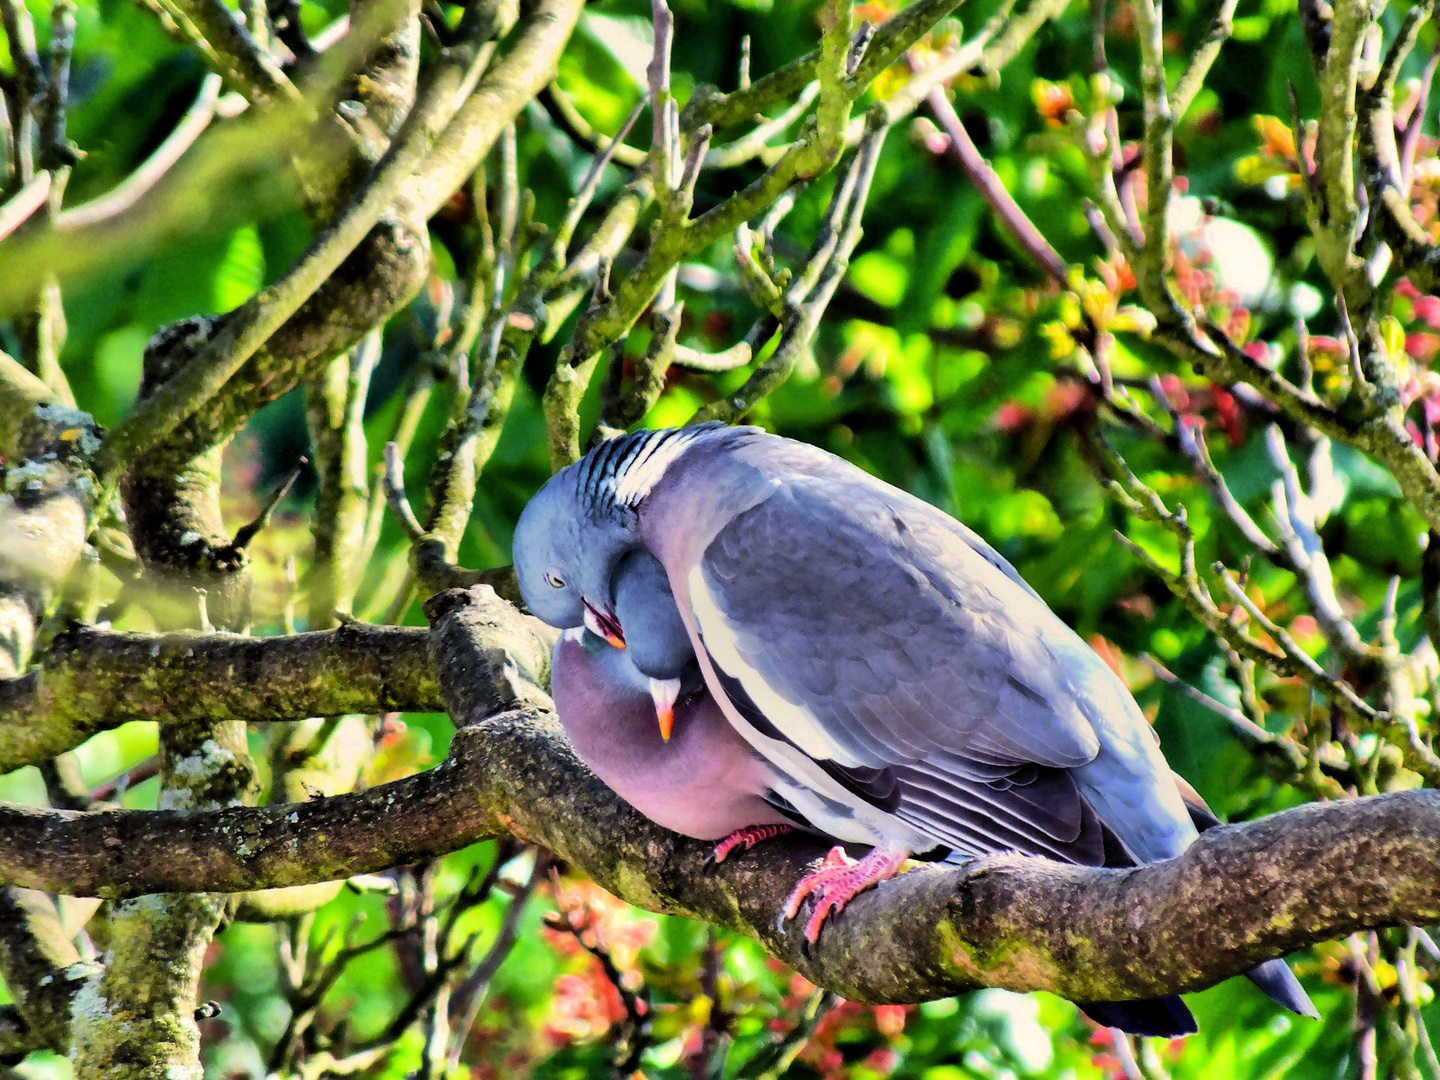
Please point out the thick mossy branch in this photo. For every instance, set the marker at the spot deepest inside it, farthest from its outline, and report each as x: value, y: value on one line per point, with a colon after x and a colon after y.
x: 506, y: 89
x: 1240, y: 895
x: 92, y: 680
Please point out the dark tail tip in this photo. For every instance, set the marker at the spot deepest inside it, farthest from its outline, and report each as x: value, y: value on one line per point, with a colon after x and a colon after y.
x: 1278, y: 982
x: 1165, y: 1017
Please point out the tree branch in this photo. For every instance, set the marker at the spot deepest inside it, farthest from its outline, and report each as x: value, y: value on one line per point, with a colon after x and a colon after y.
x: 983, y: 176
x: 243, y: 63
x: 245, y: 330
x: 208, y: 104
x: 92, y: 680
x: 501, y: 95
x: 1278, y: 884
x: 892, y: 38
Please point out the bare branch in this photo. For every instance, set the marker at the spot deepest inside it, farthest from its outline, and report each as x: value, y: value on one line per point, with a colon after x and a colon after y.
x: 92, y: 680
x: 892, y: 39
x: 335, y: 412
x: 394, y: 480
x: 988, y: 184
x: 1298, y: 525
x: 207, y: 105
x: 569, y: 119
x: 1203, y: 57
x: 1286, y: 754
x: 755, y: 143
x: 243, y: 63
x: 1159, y: 161
x: 18, y: 208
x: 810, y: 293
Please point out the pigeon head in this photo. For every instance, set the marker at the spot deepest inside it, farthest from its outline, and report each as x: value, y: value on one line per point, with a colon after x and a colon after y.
x: 658, y: 643
x: 573, y: 534
x: 566, y: 550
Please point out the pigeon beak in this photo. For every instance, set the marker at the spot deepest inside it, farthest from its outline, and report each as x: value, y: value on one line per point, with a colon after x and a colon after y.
x: 604, y: 625
x: 665, y: 691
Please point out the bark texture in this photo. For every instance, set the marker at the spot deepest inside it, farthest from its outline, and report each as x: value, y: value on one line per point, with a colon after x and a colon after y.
x: 92, y: 680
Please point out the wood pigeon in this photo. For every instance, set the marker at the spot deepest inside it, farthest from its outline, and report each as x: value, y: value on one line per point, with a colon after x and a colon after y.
x: 908, y: 690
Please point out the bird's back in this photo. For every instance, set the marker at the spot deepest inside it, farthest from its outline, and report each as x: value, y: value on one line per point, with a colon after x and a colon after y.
x: 869, y: 570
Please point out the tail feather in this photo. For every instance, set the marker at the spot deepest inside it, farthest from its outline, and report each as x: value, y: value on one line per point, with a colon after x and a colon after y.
x: 1278, y: 982
x: 1165, y: 1017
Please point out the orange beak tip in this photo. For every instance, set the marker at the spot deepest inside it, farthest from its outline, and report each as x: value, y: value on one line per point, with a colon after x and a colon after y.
x: 665, y: 692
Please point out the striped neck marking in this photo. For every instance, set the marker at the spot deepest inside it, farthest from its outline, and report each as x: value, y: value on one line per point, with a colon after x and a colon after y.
x: 623, y: 471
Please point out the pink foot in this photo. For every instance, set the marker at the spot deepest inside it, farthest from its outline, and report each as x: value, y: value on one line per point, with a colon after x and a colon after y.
x: 837, y: 881
x: 746, y: 838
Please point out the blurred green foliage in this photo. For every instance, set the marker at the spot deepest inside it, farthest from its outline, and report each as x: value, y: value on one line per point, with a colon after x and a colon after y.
x: 936, y: 370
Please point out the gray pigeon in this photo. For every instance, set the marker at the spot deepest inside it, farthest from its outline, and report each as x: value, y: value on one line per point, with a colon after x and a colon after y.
x: 707, y: 781
x: 911, y: 692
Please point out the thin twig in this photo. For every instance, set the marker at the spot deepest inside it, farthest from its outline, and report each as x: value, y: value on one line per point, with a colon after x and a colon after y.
x: 20, y: 206
x: 207, y: 105
x: 1015, y: 220
x: 394, y: 482
x: 249, y: 530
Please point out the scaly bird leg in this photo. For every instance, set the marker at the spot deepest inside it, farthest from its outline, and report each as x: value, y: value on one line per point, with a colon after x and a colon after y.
x: 837, y: 881
x: 746, y: 838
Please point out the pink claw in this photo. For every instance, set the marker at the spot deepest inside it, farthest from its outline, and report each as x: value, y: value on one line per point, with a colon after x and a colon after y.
x: 747, y: 838
x: 837, y: 881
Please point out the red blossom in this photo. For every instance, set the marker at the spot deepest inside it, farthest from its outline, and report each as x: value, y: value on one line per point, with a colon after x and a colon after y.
x: 1012, y: 417
x: 890, y: 1019
x: 1116, y: 274
x: 1328, y: 346
x: 1228, y: 415
x: 1428, y: 309
x: 882, y: 1060
x: 1052, y: 101
x: 1422, y: 346
x: 1175, y: 392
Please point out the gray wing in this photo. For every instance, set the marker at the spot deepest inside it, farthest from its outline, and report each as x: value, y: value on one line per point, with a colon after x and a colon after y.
x: 867, y: 632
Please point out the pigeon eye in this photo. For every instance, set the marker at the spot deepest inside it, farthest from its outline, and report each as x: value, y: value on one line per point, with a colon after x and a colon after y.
x: 555, y: 581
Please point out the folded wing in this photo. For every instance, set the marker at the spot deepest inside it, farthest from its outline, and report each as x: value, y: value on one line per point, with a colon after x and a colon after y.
x: 886, y: 648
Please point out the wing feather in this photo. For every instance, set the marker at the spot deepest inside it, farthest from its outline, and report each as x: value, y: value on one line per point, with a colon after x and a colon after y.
x: 880, y: 647
x: 904, y: 657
